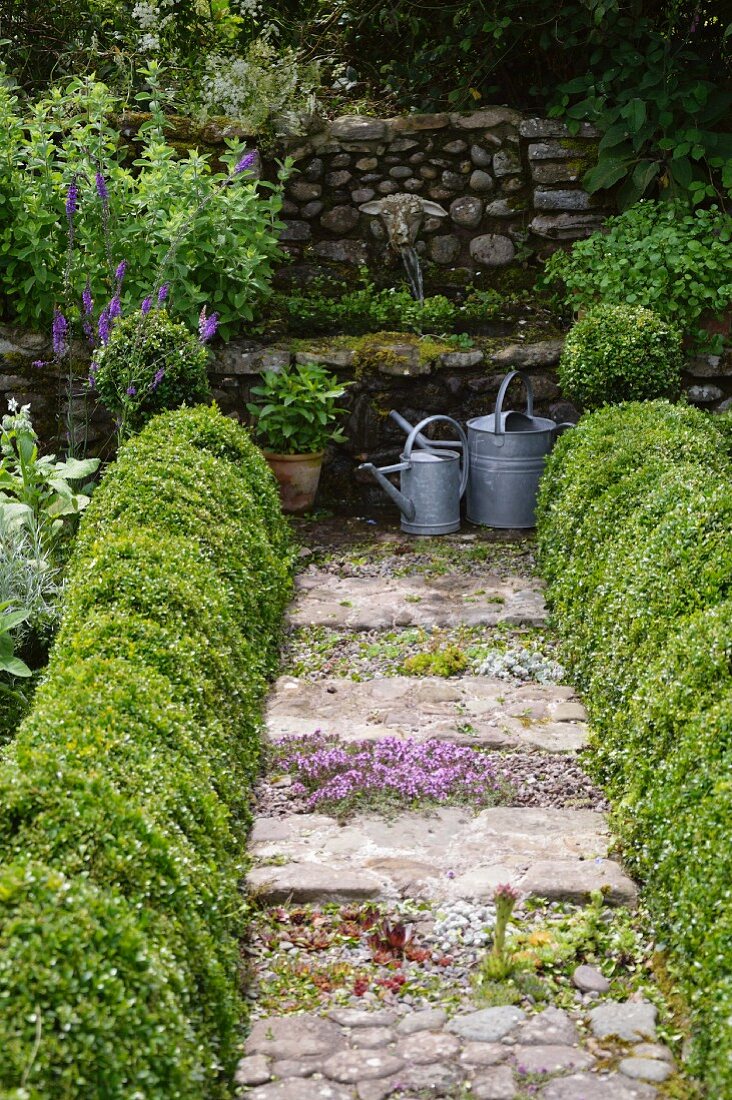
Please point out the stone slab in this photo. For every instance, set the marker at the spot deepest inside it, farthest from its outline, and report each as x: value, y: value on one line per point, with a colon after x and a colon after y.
x: 589, y: 1086
x: 377, y: 603
x: 471, y: 710
x: 632, y: 1021
x: 446, y: 854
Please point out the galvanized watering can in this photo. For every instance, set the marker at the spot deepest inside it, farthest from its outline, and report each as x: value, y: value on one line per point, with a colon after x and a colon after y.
x: 507, y: 452
x: 432, y: 482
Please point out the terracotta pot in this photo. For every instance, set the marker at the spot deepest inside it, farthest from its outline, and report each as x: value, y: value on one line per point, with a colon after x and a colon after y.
x: 297, y: 477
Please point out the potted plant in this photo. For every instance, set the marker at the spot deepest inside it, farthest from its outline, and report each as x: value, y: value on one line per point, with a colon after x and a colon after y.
x: 295, y: 419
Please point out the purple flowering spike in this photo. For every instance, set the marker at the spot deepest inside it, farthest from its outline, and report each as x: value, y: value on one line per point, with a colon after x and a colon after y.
x: 246, y: 162
x: 146, y: 306
x: 39, y: 363
x: 163, y: 293
x: 59, y: 331
x: 159, y: 376
x: 120, y: 272
x: 114, y: 309
x: 104, y: 327
x: 131, y: 391
x: 72, y: 199
x: 86, y: 299
x: 102, y: 187
x: 207, y: 326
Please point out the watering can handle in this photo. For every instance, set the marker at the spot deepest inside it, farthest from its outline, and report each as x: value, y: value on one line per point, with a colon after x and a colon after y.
x: 463, y: 444
x: 498, y: 423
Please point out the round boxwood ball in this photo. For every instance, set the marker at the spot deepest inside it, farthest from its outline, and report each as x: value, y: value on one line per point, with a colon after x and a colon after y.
x: 620, y: 353
x: 151, y: 363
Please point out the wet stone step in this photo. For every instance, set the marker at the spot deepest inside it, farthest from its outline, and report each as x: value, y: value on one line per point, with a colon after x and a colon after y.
x: 470, y: 710
x: 446, y: 854
x: 375, y: 603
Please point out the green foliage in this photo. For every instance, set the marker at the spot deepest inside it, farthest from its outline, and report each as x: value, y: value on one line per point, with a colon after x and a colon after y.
x: 635, y: 522
x: 447, y: 661
x: 297, y: 410
x: 620, y: 353
x: 212, y: 235
x: 663, y: 257
x: 151, y: 363
x: 661, y: 110
x: 126, y: 790
x: 36, y: 491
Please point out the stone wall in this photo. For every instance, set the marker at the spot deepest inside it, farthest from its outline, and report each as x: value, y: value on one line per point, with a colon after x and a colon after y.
x: 415, y: 377
x: 507, y: 182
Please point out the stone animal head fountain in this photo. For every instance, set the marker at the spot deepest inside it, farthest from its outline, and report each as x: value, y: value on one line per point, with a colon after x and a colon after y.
x: 402, y: 215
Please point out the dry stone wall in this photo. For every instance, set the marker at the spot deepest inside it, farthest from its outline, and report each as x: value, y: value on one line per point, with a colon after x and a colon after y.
x: 507, y: 182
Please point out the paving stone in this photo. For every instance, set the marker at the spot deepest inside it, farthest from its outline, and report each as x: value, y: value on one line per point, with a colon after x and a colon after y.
x: 294, y: 1037
x: 297, y: 1067
x: 304, y: 882
x: 362, y: 1017
x: 552, y: 1026
x: 372, y: 1038
x: 253, y: 1070
x: 588, y: 1086
x: 431, y: 1080
x: 646, y: 1069
x: 448, y: 853
x: 494, y: 1084
x: 588, y: 979
x: 568, y: 712
x: 378, y: 1090
x: 350, y: 1066
x: 300, y: 1089
x: 632, y: 1020
x: 428, y: 1046
x: 372, y: 603
x: 483, y: 1054
x: 501, y: 714
x: 487, y: 1025
x: 429, y: 1019
x: 551, y: 1058
x: 575, y: 880
x: 653, y: 1050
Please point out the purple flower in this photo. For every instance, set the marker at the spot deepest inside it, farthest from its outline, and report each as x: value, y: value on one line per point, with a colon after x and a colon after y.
x: 93, y: 368
x: 102, y: 187
x: 159, y: 376
x: 114, y: 308
x: 131, y: 391
x: 59, y: 330
x: 246, y: 162
x: 104, y: 327
x: 86, y: 299
x: 207, y: 326
x: 39, y: 363
x: 146, y: 305
x: 120, y: 272
x: 163, y: 293
x: 72, y: 199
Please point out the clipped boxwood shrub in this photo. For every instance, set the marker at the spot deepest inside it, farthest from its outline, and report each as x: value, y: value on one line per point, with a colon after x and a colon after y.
x: 620, y: 353
x: 126, y: 788
x: 646, y: 611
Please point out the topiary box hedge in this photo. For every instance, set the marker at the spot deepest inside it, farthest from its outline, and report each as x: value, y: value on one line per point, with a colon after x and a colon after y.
x: 125, y: 792
x: 635, y: 536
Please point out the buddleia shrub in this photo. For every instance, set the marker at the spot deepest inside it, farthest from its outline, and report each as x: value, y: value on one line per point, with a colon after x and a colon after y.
x: 126, y: 791
x: 635, y: 533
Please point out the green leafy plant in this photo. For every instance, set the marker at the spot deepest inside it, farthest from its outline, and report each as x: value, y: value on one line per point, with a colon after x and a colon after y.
x: 620, y: 353
x: 664, y: 257
x: 447, y: 661
x: 635, y: 515
x: 213, y: 235
x: 150, y: 363
x: 36, y: 491
x: 126, y: 790
x: 10, y: 619
x: 297, y: 409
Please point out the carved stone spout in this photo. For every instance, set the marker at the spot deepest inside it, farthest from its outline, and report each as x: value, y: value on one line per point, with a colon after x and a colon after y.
x: 402, y: 215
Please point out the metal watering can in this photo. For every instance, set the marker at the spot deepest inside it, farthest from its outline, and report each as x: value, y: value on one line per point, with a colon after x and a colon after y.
x: 432, y: 482
x: 507, y: 452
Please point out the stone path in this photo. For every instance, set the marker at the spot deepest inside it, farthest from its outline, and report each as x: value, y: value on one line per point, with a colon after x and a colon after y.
x: 441, y: 859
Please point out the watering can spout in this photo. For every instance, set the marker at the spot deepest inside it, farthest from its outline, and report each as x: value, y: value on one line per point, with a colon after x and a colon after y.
x: 404, y: 504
